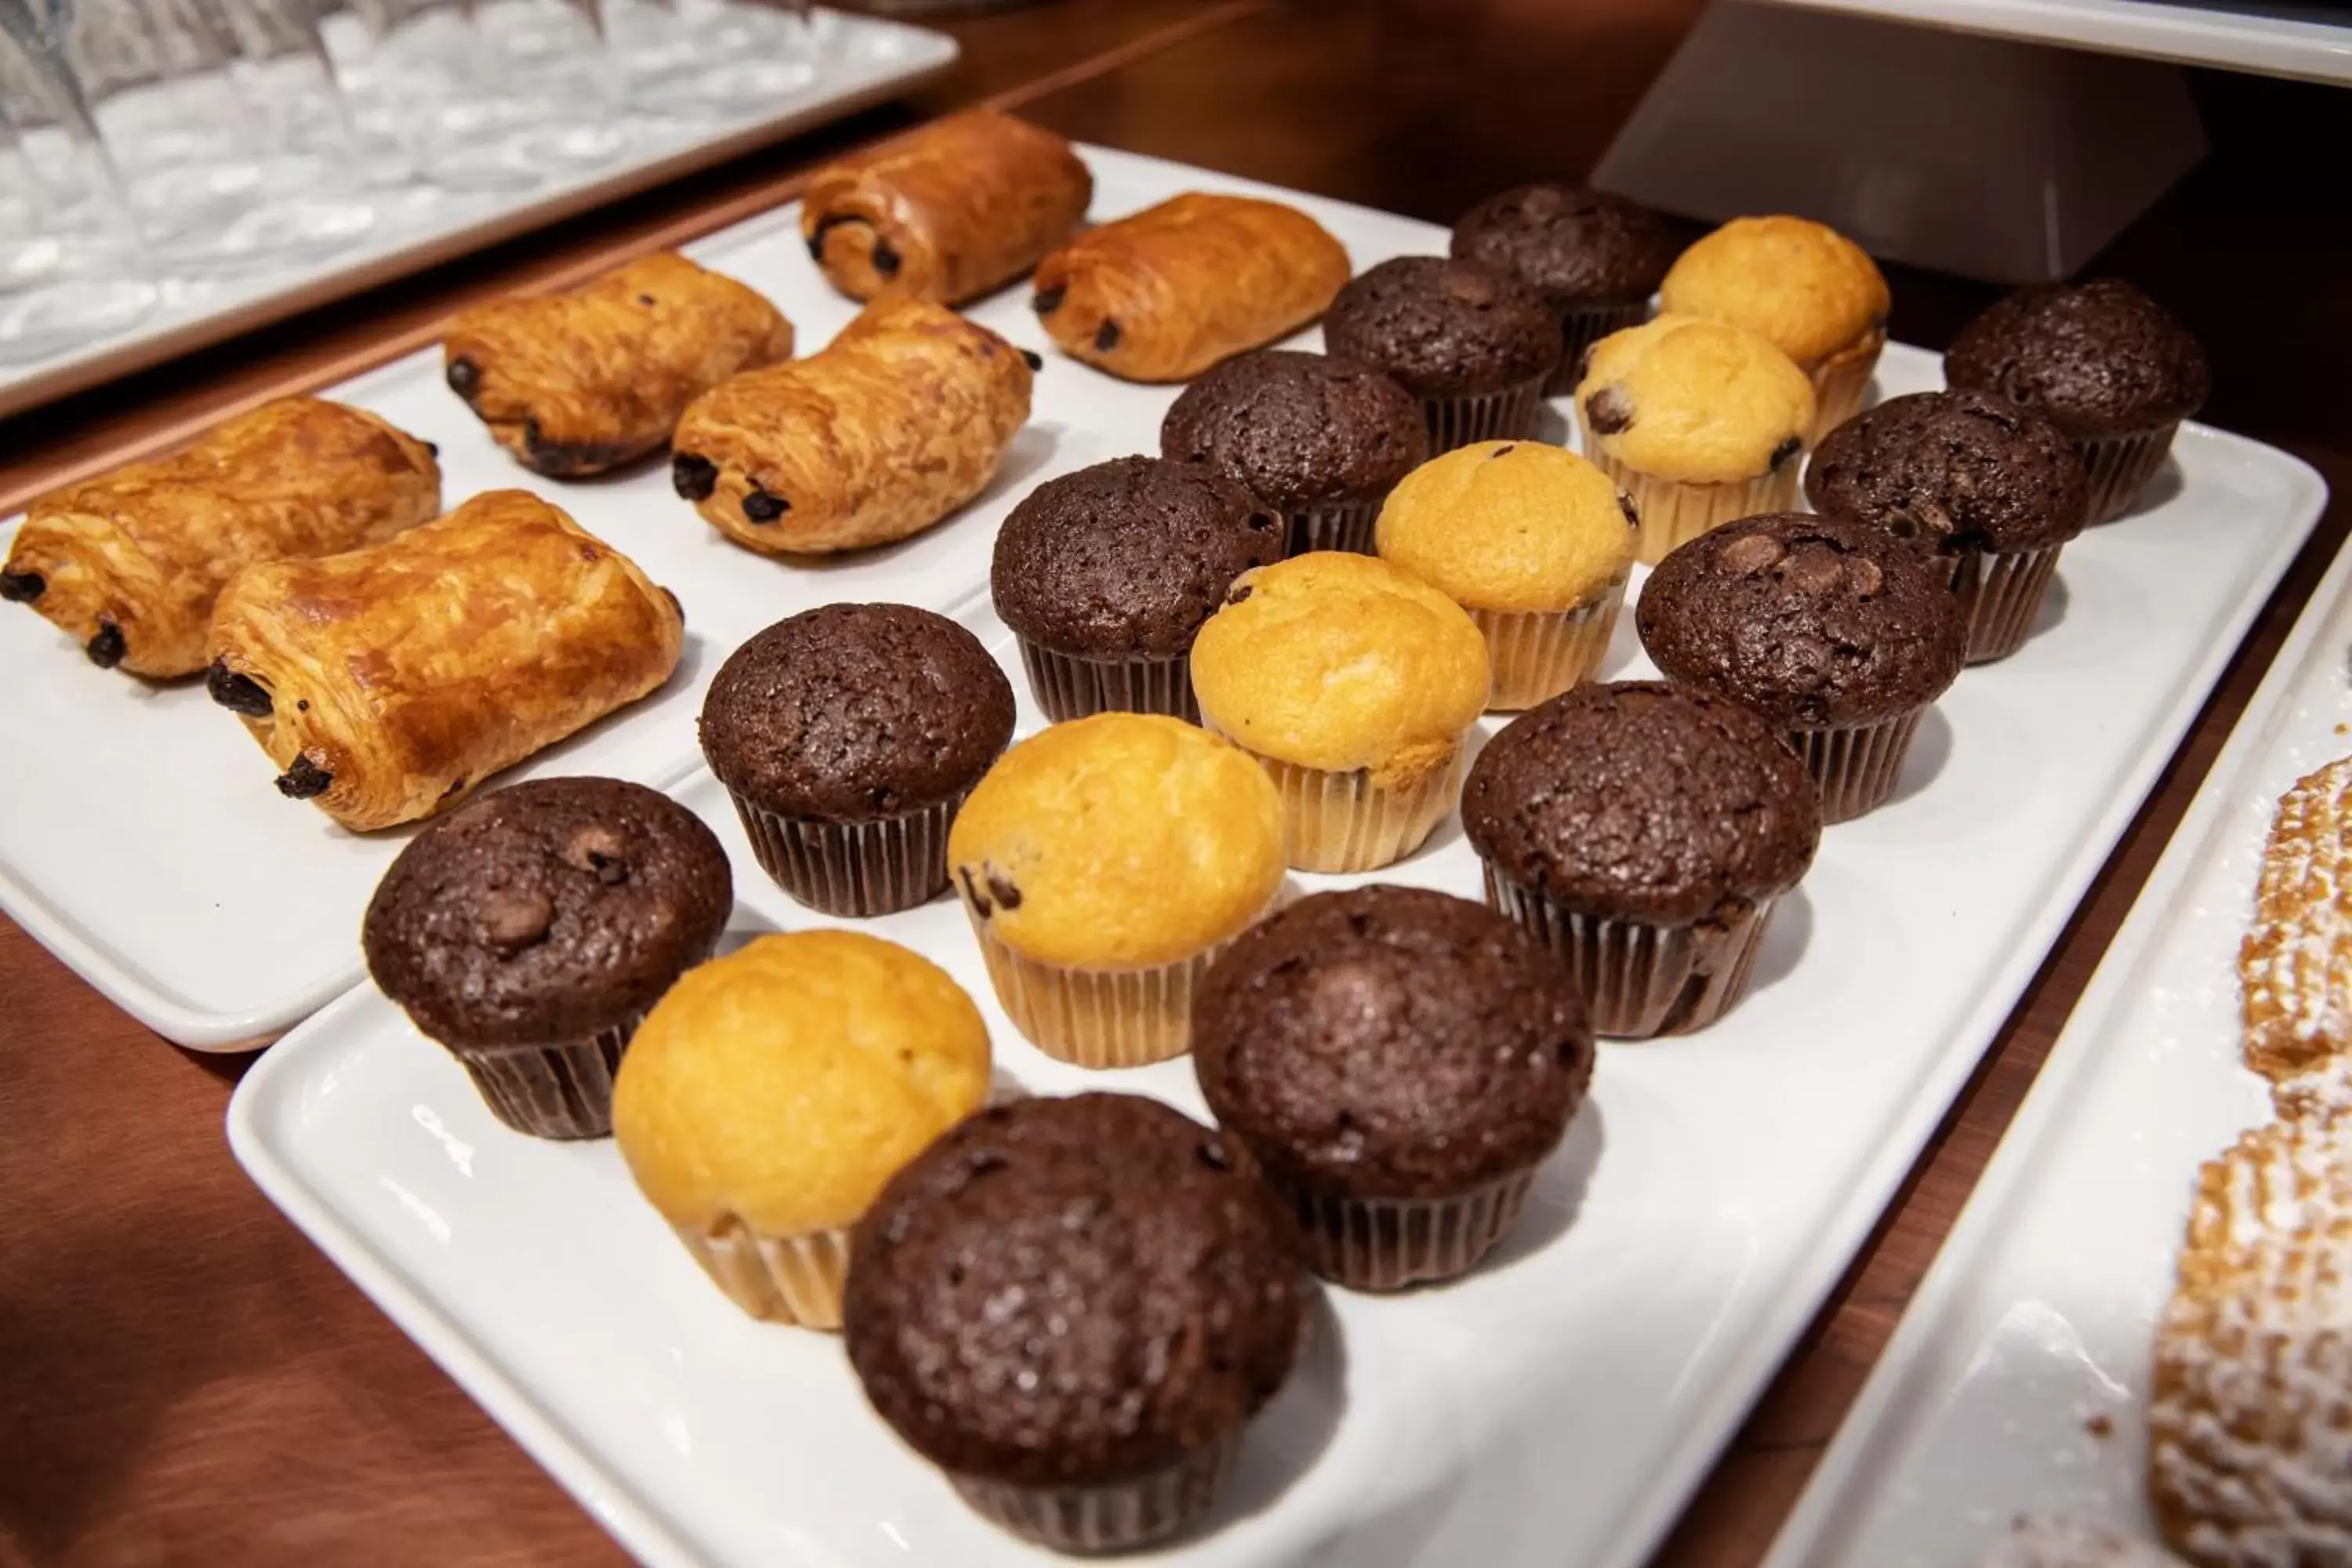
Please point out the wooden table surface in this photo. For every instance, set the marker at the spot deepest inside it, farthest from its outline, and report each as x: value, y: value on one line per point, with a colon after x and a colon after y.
x: 183, y: 1378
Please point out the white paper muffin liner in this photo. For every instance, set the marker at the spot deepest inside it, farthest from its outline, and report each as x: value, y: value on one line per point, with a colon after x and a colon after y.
x: 1095, y: 1017
x: 1347, y: 822
x: 1674, y: 512
x: 1856, y: 765
x: 1536, y: 655
x: 791, y: 1280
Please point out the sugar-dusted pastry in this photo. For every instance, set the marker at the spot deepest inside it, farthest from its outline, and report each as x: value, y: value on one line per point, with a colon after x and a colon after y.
x: 1168, y: 293
x: 389, y: 682
x: 2296, y: 964
x: 900, y: 420
x: 2251, y: 1402
x: 949, y: 213
x: 576, y: 384
x: 128, y: 564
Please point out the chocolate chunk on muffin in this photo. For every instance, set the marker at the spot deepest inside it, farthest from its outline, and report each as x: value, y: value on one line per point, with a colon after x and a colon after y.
x: 1397, y: 1062
x: 1073, y: 1307
x: 1475, y: 345
x: 1841, y: 633
x: 846, y: 737
x: 529, y: 930
x: 1996, y: 491
x: 2103, y: 363
x: 1643, y: 832
x: 1107, y: 575
x: 1322, y: 440
x: 1596, y: 259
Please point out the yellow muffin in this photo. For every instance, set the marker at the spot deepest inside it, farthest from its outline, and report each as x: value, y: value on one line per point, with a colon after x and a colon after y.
x: 1356, y: 684
x: 1812, y: 292
x: 770, y: 1094
x: 1700, y: 422
x: 1534, y: 541
x: 1103, y: 862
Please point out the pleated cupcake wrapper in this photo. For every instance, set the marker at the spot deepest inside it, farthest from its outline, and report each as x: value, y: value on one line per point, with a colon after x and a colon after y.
x: 1387, y: 1244
x: 554, y: 1092
x: 1346, y: 822
x: 1070, y: 688
x: 1579, y: 330
x: 1841, y: 382
x: 1095, y: 1017
x: 1505, y: 415
x: 2002, y: 592
x: 1539, y: 653
x: 854, y: 868
x: 1856, y: 765
x: 2121, y: 466
x: 1330, y: 526
x: 1642, y: 979
x: 1673, y: 513
x: 790, y: 1279
x: 1118, y: 1517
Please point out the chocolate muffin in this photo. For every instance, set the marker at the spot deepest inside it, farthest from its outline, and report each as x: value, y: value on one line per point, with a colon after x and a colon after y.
x: 1107, y: 575
x: 847, y: 736
x: 1073, y: 1307
x: 529, y: 931
x: 1644, y: 831
x: 1323, y: 440
x: 1838, y: 631
x: 2103, y: 363
x: 1476, y: 345
x: 1996, y: 491
x: 1397, y: 1062
x: 1596, y: 259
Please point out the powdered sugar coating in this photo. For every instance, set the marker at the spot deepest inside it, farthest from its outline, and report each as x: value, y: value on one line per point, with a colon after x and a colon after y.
x: 2295, y: 962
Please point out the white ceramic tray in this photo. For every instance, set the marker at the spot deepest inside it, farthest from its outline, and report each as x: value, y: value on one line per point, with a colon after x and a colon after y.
x: 862, y: 60
x: 2018, y: 1379
x: 1555, y: 1408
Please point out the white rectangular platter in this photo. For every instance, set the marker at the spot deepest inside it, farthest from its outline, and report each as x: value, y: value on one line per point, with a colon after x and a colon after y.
x: 1556, y: 1407
x: 2018, y: 1379
x: 860, y: 60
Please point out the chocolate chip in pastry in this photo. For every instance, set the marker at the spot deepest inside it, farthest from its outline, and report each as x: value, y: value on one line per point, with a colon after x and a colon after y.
x: 128, y: 564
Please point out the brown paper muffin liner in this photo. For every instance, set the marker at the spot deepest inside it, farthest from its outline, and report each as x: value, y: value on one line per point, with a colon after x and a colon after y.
x: 1539, y: 653
x: 1387, y: 1244
x: 1346, y: 822
x: 554, y: 1092
x: 1856, y: 765
x: 1068, y: 687
x: 788, y: 1279
x: 1840, y: 383
x: 1330, y: 526
x: 1579, y: 330
x: 854, y: 868
x: 1673, y: 513
x: 1642, y: 979
x: 2121, y: 466
x: 1505, y: 415
x: 1095, y: 1017
x: 1118, y: 1517
x: 2002, y: 592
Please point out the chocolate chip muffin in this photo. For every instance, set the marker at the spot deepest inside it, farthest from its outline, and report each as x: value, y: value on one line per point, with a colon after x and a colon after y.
x: 2103, y: 363
x: 1841, y: 633
x: 1107, y: 575
x: 847, y: 736
x: 1596, y: 259
x: 1643, y: 832
x: 1476, y: 345
x: 1397, y: 1062
x: 1997, y: 491
x: 1321, y: 440
x: 529, y: 930
x: 1073, y: 1307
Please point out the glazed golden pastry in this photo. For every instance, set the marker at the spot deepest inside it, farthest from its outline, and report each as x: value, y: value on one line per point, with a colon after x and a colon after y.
x: 1165, y: 294
x: 903, y: 418
x: 128, y: 564
x: 388, y: 683
x: 950, y: 212
x: 2295, y: 966
x: 576, y: 384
